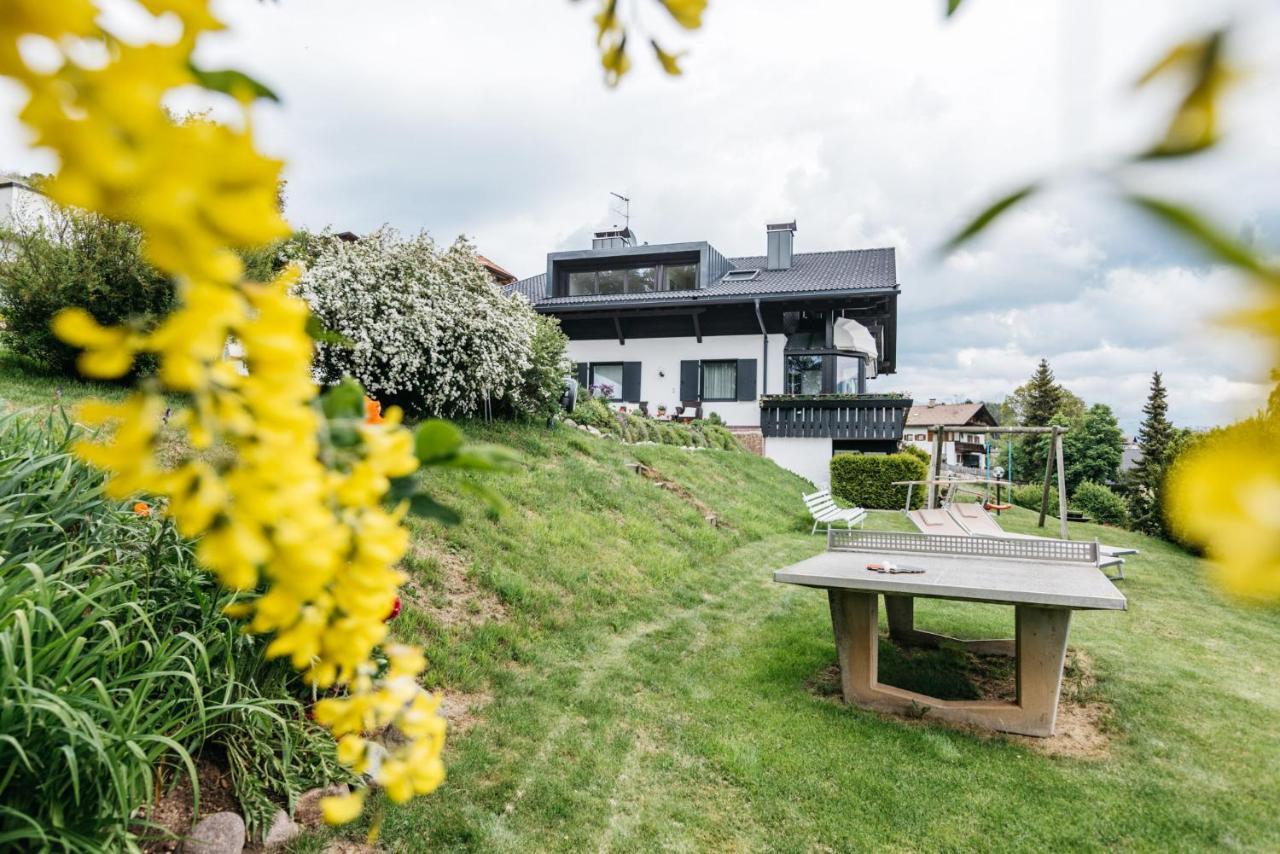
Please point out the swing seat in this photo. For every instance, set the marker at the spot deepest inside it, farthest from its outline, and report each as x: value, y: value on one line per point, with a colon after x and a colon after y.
x: 991, y: 505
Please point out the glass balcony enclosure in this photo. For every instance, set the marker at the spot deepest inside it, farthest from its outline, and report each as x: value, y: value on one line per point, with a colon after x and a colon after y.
x: 813, y: 368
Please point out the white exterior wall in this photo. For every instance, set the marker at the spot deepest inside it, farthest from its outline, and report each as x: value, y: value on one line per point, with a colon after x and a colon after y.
x: 660, y: 359
x: 809, y: 458
x: 949, y: 455
x: 21, y: 205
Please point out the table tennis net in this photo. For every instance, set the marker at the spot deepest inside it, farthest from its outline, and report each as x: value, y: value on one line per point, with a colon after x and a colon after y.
x: 1037, y: 549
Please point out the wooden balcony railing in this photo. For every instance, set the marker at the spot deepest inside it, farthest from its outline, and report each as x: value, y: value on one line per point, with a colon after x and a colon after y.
x: 872, y: 418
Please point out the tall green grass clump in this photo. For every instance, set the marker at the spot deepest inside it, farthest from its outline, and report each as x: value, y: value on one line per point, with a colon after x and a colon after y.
x: 117, y: 667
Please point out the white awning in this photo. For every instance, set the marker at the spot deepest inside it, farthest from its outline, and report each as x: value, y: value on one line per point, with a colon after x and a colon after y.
x: 849, y: 334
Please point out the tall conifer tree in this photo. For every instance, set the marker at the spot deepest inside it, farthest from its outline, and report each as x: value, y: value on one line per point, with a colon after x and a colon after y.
x: 1043, y: 397
x: 1155, y: 437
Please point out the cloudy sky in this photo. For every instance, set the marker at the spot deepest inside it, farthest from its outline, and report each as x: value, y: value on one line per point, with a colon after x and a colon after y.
x: 872, y: 123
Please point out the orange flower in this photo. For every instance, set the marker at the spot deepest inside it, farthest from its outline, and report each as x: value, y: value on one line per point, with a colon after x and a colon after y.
x: 372, y: 411
x: 142, y: 508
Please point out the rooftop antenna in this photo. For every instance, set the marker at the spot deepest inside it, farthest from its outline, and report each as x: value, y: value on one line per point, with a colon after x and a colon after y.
x: 625, y: 212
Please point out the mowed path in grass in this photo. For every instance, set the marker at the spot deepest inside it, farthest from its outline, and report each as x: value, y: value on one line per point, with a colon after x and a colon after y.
x: 695, y: 727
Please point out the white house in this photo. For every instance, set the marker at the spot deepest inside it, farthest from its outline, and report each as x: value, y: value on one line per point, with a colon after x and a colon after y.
x: 960, y: 447
x: 22, y: 205
x: 782, y: 346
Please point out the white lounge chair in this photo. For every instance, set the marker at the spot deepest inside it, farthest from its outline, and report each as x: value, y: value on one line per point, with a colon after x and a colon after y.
x: 823, y: 509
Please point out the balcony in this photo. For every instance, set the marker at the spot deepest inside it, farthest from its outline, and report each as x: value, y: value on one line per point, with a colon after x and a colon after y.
x: 865, y: 417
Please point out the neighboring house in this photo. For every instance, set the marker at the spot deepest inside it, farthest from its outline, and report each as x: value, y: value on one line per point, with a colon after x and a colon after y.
x: 959, y: 446
x: 501, y: 275
x: 1132, y: 456
x: 22, y: 205
x: 779, y: 345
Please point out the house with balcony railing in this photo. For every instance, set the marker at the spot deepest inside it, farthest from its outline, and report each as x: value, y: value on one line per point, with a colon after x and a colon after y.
x: 789, y: 348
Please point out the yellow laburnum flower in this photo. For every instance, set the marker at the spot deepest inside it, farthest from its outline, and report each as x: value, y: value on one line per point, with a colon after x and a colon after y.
x: 615, y: 61
x: 194, y: 14
x: 422, y: 719
x: 342, y: 809
x: 687, y: 13
x: 108, y: 351
x: 40, y: 18
x: 282, y: 515
x: 234, y: 551
x: 670, y: 61
x: 403, y: 660
x: 352, y: 751
x: 345, y: 715
x: 1225, y: 495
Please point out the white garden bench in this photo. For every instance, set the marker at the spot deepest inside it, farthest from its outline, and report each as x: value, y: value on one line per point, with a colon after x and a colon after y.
x: 823, y: 509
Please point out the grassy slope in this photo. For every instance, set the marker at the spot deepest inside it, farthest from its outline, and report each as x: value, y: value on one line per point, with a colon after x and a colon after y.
x: 657, y: 695
x: 649, y: 683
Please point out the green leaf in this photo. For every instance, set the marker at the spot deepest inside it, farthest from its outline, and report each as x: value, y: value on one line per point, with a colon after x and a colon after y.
x: 344, y: 400
x: 428, y: 508
x: 989, y: 215
x: 237, y: 84
x: 952, y: 6
x: 437, y: 442
x: 1208, y: 237
x: 321, y: 334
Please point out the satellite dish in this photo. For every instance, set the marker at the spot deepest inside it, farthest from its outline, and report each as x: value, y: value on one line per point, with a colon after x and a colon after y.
x: 569, y: 397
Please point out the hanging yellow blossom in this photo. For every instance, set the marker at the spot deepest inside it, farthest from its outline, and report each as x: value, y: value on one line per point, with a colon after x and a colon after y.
x: 1226, y: 494
x: 305, y: 516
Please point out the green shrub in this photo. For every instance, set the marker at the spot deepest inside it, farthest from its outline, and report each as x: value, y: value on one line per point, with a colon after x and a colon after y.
x: 77, y: 260
x: 538, y: 395
x: 916, y: 451
x: 594, y: 412
x: 866, y: 480
x: 721, y: 438
x: 1101, y: 504
x: 1028, y: 495
x: 118, y: 662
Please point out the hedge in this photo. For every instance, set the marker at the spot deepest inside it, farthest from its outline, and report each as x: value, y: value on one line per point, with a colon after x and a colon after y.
x: 866, y: 480
x: 1101, y: 503
x: 1029, y: 496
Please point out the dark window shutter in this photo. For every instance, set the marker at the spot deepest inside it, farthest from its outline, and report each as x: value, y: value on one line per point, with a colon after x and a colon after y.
x: 584, y: 378
x: 689, y: 377
x: 631, y: 382
x: 746, y: 379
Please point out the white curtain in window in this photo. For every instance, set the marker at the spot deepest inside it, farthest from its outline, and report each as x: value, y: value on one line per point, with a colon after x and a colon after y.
x: 608, y: 380
x: 720, y: 380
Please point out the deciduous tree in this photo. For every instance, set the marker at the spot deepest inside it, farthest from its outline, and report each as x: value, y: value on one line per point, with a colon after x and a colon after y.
x: 1094, y: 448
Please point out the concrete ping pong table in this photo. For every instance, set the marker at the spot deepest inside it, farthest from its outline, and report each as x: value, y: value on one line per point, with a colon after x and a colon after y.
x: 1045, y: 580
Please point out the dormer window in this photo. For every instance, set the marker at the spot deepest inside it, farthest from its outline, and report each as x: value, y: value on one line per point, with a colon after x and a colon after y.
x: 631, y: 280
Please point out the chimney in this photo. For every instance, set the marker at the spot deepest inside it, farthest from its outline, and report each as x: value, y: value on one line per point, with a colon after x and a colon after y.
x: 613, y: 238
x: 781, y: 235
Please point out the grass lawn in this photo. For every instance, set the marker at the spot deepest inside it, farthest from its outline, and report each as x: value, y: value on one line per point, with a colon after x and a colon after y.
x: 624, y: 676
x: 648, y: 686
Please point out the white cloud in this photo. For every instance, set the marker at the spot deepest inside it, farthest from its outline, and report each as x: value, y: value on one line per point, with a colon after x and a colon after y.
x: 871, y: 123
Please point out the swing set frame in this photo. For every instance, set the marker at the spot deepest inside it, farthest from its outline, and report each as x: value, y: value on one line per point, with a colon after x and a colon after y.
x: 1052, y: 461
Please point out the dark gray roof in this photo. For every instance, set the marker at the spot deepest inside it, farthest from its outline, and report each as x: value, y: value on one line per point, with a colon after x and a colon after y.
x: 810, y: 272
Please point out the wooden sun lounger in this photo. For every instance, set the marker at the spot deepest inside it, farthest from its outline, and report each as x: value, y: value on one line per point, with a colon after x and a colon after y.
x: 823, y: 509
x: 936, y: 522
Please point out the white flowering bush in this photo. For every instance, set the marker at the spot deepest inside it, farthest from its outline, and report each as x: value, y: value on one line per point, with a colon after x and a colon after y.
x: 425, y: 327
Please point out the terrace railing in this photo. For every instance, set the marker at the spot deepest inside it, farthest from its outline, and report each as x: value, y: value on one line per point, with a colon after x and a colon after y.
x: 871, y: 418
